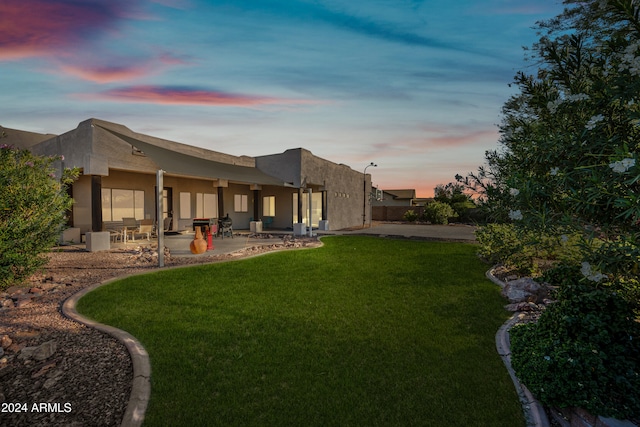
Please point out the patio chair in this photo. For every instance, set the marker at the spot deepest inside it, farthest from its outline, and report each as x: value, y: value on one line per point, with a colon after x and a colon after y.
x: 115, y: 235
x: 146, y: 227
x: 167, y: 223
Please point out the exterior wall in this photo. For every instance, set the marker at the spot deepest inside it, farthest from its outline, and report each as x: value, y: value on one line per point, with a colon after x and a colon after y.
x: 82, y: 204
x: 284, y: 206
x: 347, y: 189
x: 240, y: 219
x: 97, y: 151
x: 394, y: 213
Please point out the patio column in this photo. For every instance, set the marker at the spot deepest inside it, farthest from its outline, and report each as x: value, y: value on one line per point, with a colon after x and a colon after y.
x: 221, y: 212
x: 300, y: 207
x: 256, y: 205
x: 96, y: 203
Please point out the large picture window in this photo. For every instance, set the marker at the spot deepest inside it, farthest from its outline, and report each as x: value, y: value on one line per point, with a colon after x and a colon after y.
x: 269, y: 206
x: 118, y: 203
x: 241, y: 203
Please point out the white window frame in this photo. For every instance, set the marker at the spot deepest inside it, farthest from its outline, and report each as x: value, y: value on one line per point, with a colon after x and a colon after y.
x: 134, y: 210
x: 269, y: 206
x: 240, y: 203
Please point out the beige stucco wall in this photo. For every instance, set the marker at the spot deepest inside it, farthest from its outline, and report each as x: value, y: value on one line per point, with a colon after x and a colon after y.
x: 97, y: 151
x: 345, y: 187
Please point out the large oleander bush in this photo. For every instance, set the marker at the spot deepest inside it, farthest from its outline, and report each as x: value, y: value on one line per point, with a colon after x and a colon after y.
x: 564, y: 185
x: 33, y: 205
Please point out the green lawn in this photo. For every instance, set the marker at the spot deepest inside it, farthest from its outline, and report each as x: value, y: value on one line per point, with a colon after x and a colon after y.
x: 361, y: 332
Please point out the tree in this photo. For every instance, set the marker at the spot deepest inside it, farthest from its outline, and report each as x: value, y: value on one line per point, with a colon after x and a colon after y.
x: 453, y: 194
x: 33, y: 205
x: 567, y: 164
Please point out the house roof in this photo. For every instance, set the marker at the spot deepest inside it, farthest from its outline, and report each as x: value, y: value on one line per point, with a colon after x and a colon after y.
x: 23, y: 139
x: 402, y: 194
x: 172, y: 157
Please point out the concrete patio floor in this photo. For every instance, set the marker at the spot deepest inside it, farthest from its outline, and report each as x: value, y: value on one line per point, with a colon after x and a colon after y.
x: 178, y: 244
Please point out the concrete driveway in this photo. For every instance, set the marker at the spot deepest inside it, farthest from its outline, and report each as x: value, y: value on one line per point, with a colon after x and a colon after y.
x: 453, y: 232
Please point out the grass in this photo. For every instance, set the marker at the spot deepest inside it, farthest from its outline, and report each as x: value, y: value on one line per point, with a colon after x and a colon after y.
x: 361, y: 332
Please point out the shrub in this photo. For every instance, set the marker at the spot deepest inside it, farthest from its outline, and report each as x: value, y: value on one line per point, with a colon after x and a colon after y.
x: 410, y: 216
x: 438, y: 213
x: 33, y: 204
x: 525, y: 250
x: 584, y: 351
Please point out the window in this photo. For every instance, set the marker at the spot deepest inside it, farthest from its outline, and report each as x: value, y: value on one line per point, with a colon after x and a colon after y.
x: 206, y: 205
x: 185, y: 205
x: 269, y: 206
x: 241, y: 203
x: 118, y: 203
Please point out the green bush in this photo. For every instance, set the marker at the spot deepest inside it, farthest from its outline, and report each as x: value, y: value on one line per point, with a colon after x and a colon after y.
x: 584, y: 351
x: 410, y: 216
x: 525, y: 250
x: 33, y: 204
x: 438, y: 213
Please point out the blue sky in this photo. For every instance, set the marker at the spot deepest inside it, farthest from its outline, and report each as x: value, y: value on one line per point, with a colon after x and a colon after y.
x: 415, y: 86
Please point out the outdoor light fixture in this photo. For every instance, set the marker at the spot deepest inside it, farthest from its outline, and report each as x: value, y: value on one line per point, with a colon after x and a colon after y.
x: 364, y: 200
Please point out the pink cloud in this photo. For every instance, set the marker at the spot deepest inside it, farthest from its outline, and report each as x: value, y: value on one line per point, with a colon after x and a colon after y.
x: 41, y: 27
x: 106, y: 74
x: 120, y: 69
x: 464, y: 138
x: 169, y: 95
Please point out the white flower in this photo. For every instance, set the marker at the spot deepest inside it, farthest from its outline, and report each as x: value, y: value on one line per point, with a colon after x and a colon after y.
x: 591, y: 124
x: 578, y: 97
x: 585, y: 269
x: 514, y: 191
x: 554, y: 171
x: 515, y: 215
x: 628, y: 163
x: 590, y: 274
x: 564, y: 238
x: 552, y: 106
x: 623, y: 165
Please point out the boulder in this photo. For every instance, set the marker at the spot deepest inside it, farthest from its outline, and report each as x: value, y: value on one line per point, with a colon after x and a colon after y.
x: 41, y: 352
x: 525, y: 290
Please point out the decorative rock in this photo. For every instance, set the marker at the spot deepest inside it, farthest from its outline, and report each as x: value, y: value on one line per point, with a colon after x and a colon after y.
x: 524, y: 290
x: 41, y: 352
x: 52, y: 379
x: 46, y: 368
x: 23, y: 300
x: 5, y: 341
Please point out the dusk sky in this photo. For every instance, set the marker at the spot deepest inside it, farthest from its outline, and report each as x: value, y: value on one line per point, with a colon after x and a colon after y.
x: 415, y: 86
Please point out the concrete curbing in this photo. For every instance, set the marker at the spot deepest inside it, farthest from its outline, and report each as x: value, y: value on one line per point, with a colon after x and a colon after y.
x: 141, y: 387
x: 534, y: 412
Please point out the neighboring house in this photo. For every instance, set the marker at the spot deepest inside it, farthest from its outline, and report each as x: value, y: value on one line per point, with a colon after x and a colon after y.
x: 396, y: 198
x: 119, y: 169
x: 395, y: 203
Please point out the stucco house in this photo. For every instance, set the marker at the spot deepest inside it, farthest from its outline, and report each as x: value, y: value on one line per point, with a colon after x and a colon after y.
x: 403, y: 197
x: 119, y: 169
